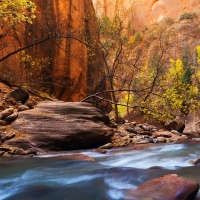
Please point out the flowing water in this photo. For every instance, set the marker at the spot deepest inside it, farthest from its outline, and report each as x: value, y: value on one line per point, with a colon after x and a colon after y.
x: 51, y: 177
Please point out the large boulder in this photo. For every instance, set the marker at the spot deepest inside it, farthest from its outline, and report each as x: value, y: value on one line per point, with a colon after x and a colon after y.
x: 168, y: 187
x: 61, y: 126
x: 177, y: 124
x: 192, y: 125
x: 166, y: 134
x: 20, y: 95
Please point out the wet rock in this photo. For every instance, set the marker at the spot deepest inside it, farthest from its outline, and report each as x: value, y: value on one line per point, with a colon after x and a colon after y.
x: 76, y: 157
x: 2, y: 123
x: 106, y: 146
x: 32, y: 151
x: 161, y: 139
x: 167, y: 187
x: 22, y: 108
x: 7, y: 112
x: 20, y: 95
x: 195, y: 161
x: 103, y: 151
x: 155, y: 167
x: 11, y: 118
x: 9, y: 136
x: 1, y: 153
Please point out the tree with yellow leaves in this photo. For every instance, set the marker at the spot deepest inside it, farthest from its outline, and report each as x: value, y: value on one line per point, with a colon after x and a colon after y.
x: 13, y: 17
x: 15, y: 12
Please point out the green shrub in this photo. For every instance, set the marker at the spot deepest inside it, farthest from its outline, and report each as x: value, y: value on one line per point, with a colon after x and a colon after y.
x: 188, y: 16
x: 138, y: 38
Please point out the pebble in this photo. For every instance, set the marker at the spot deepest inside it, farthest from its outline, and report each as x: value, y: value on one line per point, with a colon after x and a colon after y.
x: 106, y: 146
x: 7, y: 112
x: 11, y: 117
x: 22, y: 108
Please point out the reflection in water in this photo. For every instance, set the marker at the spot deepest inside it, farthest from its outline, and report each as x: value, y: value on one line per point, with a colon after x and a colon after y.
x: 108, y: 178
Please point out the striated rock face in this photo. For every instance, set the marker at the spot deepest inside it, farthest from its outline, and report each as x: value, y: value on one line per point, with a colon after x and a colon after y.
x: 61, y: 126
x: 67, y: 68
x: 146, y: 12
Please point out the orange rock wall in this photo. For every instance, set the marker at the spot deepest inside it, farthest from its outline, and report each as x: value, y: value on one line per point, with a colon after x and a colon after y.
x: 69, y: 59
x: 144, y: 13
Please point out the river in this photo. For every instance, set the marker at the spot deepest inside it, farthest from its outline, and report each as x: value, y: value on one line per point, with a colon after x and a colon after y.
x: 51, y: 177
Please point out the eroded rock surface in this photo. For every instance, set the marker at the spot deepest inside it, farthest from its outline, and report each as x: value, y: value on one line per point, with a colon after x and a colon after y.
x: 146, y: 12
x: 61, y: 126
x: 167, y: 187
x: 192, y: 125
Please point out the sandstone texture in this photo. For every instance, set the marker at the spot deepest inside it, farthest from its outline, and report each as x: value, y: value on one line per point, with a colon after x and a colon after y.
x: 61, y: 126
x: 144, y: 13
x: 192, y: 125
x: 66, y: 65
x: 167, y: 187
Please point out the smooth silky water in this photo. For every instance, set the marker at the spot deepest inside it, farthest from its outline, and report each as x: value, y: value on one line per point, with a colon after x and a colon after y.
x: 51, y: 177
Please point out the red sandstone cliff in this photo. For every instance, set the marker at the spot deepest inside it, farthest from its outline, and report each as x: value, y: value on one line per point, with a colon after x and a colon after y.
x: 70, y: 65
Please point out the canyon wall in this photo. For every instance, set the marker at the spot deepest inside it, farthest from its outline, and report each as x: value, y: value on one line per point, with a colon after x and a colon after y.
x: 69, y: 69
x: 143, y: 13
